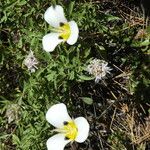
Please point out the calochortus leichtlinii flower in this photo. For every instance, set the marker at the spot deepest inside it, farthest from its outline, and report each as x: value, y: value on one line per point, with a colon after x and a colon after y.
x: 98, y: 68
x: 68, y: 129
x: 31, y: 62
x: 62, y: 31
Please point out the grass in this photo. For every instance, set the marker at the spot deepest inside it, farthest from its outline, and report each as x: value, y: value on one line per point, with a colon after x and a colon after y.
x: 117, y: 107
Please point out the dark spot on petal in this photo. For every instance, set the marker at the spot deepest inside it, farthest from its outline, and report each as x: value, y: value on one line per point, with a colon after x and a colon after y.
x: 66, y: 138
x: 61, y: 24
x: 65, y: 122
x: 60, y: 37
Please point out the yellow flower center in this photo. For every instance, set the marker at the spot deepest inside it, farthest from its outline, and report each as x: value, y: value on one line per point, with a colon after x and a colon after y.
x: 70, y: 130
x: 64, y: 31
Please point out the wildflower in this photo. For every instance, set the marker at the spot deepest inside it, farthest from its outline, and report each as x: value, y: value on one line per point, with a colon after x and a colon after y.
x: 31, y: 62
x: 98, y: 68
x: 62, y: 31
x: 68, y: 129
x: 12, y: 112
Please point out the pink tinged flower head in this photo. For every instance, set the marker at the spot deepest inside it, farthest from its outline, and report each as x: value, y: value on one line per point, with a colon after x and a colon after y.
x: 63, y: 31
x: 98, y: 68
x: 30, y: 62
x: 68, y: 129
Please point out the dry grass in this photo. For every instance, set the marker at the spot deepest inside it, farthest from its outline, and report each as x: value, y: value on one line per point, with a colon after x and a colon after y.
x: 131, y: 123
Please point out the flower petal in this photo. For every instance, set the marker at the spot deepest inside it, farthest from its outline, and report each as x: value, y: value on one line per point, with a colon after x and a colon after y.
x: 50, y: 41
x: 54, y: 15
x: 83, y: 129
x: 57, y: 115
x: 57, y: 142
x: 74, y: 33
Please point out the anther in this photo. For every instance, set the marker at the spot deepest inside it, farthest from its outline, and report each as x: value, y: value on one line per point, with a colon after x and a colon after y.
x: 66, y: 138
x: 65, y: 123
x: 60, y: 37
x: 61, y: 24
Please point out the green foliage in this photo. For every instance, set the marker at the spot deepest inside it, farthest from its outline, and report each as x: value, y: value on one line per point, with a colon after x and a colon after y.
x: 117, y: 141
x: 22, y: 27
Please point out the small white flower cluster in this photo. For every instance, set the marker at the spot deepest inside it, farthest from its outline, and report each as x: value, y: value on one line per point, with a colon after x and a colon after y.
x: 12, y: 112
x: 31, y: 62
x: 98, y: 68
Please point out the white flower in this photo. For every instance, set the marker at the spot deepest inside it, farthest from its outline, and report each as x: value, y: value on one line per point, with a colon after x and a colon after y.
x: 98, y: 68
x: 68, y: 129
x: 31, y: 62
x: 62, y: 29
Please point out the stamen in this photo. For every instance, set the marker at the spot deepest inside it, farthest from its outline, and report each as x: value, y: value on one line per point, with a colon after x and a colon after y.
x: 70, y: 130
x: 64, y: 31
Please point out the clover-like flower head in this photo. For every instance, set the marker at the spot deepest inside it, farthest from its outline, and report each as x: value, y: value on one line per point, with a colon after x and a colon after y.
x: 68, y: 129
x: 31, y: 62
x: 63, y: 31
x: 98, y: 68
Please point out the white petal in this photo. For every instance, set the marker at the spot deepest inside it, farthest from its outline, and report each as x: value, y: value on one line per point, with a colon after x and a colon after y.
x: 83, y: 129
x: 50, y: 41
x: 57, y: 115
x: 57, y: 142
x: 74, y: 33
x: 55, y: 15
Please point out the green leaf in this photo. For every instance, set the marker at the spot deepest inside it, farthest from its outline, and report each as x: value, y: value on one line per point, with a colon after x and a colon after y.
x: 100, y: 47
x: 16, y: 140
x: 112, y: 18
x: 51, y: 76
x: 39, y: 72
x: 71, y: 6
x: 87, y: 100
x: 87, y: 78
x: 145, y: 43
